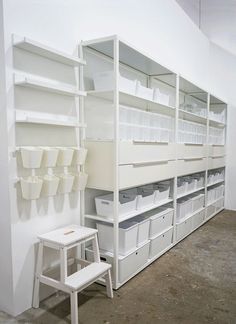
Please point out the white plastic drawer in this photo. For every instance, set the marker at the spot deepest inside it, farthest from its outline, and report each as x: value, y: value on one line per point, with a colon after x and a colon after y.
x: 183, y: 229
x: 189, y: 151
x: 160, y: 243
x: 138, y: 152
x: 214, y: 150
x: 142, y: 173
x: 198, y: 219
x: 216, y: 162
x: 190, y: 165
x: 160, y: 221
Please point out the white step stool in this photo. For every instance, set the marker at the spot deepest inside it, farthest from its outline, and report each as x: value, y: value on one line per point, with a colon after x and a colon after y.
x: 64, y: 239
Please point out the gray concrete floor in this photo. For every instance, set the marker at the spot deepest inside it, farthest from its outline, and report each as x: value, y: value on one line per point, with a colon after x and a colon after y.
x: 195, y: 282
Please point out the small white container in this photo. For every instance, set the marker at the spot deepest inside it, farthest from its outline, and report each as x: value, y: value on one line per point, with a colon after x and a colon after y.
x: 66, y: 183
x: 104, y: 204
x: 65, y: 156
x: 31, y: 156
x: 143, y: 228
x: 128, y: 232
x: 144, y: 92
x: 160, y: 220
x: 50, y: 185
x: 79, y: 156
x: 50, y: 155
x: 198, y: 202
x: 31, y: 187
x: 162, y: 194
x: 80, y: 181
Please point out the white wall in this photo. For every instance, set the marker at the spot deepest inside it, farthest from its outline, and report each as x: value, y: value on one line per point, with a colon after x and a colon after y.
x: 159, y: 27
x: 192, y: 9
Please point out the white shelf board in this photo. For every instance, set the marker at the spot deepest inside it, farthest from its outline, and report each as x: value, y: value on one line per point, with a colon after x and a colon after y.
x: 133, y: 100
x: 26, y: 116
x: 186, y: 115
x: 34, y: 47
x: 130, y: 215
x: 190, y: 192
x: 183, y: 219
x: 214, y: 201
x: 49, y: 86
x: 215, y: 123
x: 214, y: 183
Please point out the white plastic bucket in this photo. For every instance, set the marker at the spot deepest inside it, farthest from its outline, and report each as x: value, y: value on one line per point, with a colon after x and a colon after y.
x: 31, y: 156
x: 50, y: 185
x: 66, y: 183
x: 65, y: 156
x: 50, y: 155
x: 80, y: 155
x: 80, y: 181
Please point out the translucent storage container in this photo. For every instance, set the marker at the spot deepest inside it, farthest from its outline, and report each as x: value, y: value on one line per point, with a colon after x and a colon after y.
x: 65, y: 156
x: 143, y: 229
x: 104, y: 81
x: 160, y: 220
x: 128, y: 233
x: 50, y: 155
x: 31, y: 156
x: 50, y: 185
x: 80, y: 181
x: 79, y: 156
x: 198, y: 202
x: 31, y: 187
x: 105, y: 204
x: 144, y: 92
x: 66, y: 183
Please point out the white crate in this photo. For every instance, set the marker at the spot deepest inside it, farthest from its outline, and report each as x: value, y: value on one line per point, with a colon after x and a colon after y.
x: 143, y: 228
x: 105, y: 204
x: 144, y: 92
x: 104, y: 81
x: 160, y: 243
x: 128, y: 233
x: 160, y: 220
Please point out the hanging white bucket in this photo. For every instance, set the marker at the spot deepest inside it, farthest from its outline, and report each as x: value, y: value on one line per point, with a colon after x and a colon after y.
x: 80, y: 181
x: 50, y: 155
x: 80, y: 155
x: 31, y: 187
x: 50, y: 185
x: 31, y: 156
x: 66, y: 183
x: 65, y: 156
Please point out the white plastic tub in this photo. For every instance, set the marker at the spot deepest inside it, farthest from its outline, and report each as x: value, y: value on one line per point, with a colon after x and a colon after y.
x: 184, y: 208
x: 144, y: 92
x: 198, y: 202
x: 65, y: 156
x: 31, y: 156
x: 160, y: 220
x: 80, y: 181
x: 50, y: 185
x: 50, y: 155
x: 66, y: 183
x: 162, y: 194
x: 181, y: 187
x: 143, y: 228
x: 105, y: 204
x: 128, y: 232
x: 79, y: 156
x: 31, y: 187
x: 104, y: 81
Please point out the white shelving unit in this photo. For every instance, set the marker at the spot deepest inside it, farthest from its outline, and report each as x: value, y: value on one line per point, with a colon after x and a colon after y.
x: 117, y: 164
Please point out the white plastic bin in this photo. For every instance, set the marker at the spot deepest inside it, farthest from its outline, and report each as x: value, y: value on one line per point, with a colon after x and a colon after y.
x: 144, y: 92
x: 160, y: 97
x: 31, y: 156
x: 128, y: 232
x: 50, y: 185
x: 31, y: 187
x: 50, y: 155
x: 104, y: 204
x: 160, y: 243
x: 143, y: 228
x: 160, y: 220
x: 163, y: 192
x: 66, y: 183
x: 181, y: 186
x: 79, y: 156
x: 80, y: 181
x: 198, y: 202
x: 65, y: 156
x: 184, y: 208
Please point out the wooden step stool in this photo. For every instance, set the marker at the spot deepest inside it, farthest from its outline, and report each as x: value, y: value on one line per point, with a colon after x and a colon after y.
x: 64, y: 239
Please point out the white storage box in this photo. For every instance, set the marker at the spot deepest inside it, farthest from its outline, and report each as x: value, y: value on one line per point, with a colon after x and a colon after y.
x: 198, y: 202
x: 79, y: 155
x: 144, y: 92
x: 80, y: 181
x: 50, y: 185
x: 184, y: 208
x: 50, y: 155
x: 66, y: 183
x: 160, y: 243
x: 163, y: 193
x: 145, y: 196
x: 198, y: 219
x: 190, y: 183
x: 31, y: 156
x: 104, y: 81
x: 65, y: 156
x: 160, y: 220
x: 181, y: 187
x: 210, y: 211
x: 143, y: 229
x: 105, y: 204
x: 31, y: 187
x: 160, y: 97
x: 183, y: 229
x: 128, y: 233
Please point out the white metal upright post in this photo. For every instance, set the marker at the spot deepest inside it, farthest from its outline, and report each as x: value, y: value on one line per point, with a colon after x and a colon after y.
x: 207, y: 158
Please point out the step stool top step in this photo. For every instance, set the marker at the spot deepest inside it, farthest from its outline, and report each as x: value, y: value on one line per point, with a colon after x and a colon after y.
x: 68, y: 235
x: 87, y: 275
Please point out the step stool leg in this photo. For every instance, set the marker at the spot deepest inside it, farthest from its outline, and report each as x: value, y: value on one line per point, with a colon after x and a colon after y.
x: 96, y: 249
x: 109, y: 284
x: 38, y: 272
x: 74, y: 307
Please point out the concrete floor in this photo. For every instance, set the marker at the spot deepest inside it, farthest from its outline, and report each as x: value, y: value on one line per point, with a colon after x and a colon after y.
x: 195, y: 282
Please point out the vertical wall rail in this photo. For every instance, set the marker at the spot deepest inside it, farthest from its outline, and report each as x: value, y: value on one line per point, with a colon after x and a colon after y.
x: 208, y: 149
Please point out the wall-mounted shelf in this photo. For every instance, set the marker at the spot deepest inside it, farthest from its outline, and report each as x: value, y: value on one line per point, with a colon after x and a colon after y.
x: 24, y: 116
x: 29, y: 45
x: 214, y: 183
x: 49, y: 86
x: 216, y: 123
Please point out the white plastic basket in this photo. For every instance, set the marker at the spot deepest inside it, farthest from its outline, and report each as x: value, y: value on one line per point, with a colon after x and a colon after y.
x: 144, y: 92
x: 50, y: 155
x: 80, y: 181
x: 80, y: 155
x: 50, y: 185
x: 143, y: 228
x: 31, y: 156
x: 128, y: 232
x: 66, y: 183
x: 65, y: 156
x: 31, y: 187
x: 104, y: 204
